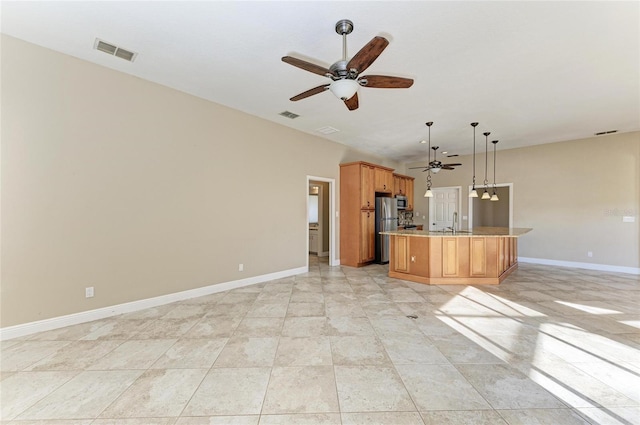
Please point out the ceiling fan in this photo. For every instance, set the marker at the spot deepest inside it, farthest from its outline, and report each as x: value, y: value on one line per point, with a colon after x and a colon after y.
x: 435, y: 165
x: 346, y: 73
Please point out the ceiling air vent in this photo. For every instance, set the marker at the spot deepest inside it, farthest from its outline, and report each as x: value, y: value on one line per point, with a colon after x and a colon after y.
x: 605, y: 132
x: 290, y: 115
x: 114, y: 50
x: 327, y: 130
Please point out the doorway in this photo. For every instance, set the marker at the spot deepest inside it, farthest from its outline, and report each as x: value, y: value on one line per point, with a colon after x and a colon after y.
x: 484, y: 213
x: 443, y: 207
x: 321, y: 224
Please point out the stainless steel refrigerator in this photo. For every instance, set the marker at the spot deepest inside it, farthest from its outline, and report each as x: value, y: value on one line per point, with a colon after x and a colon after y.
x: 386, y: 220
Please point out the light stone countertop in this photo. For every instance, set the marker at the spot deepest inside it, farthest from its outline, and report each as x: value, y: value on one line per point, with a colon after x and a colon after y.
x: 477, y: 231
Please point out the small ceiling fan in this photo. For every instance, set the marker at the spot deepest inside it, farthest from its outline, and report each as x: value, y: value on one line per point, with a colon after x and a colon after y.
x: 435, y: 165
x: 346, y: 73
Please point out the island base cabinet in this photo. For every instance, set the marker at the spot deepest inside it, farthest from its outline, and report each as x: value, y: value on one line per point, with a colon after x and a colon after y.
x: 453, y: 260
x: 410, y: 256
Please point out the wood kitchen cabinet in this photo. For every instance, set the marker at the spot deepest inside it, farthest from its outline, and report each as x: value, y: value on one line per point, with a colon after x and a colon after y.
x: 367, y: 236
x: 403, y: 185
x: 367, y: 191
x: 410, y: 194
x: 383, y: 179
x: 410, y: 255
x: 487, y: 256
x: 359, y: 183
x: 399, y: 185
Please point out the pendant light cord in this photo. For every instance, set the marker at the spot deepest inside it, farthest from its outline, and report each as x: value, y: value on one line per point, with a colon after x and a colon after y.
x: 474, y: 124
x: 495, y: 142
x: 486, y: 158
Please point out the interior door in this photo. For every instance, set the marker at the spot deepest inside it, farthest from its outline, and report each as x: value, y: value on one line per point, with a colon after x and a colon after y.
x: 441, y: 208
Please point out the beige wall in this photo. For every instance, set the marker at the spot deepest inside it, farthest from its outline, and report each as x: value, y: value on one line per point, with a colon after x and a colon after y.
x: 139, y: 190
x: 573, y: 194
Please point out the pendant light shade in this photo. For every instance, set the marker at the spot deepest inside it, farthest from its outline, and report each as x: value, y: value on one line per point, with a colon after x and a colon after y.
x: 485, y: 195
x: 474, y: 193
x: 494, y: 197
x: 428, y: 193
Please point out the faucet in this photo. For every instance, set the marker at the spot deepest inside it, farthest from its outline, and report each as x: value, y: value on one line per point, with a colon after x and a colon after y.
x: 454, y: 225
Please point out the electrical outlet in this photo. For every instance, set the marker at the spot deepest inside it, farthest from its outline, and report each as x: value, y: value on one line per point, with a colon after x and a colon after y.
x: 240, y: 267
x: 589, y: 254
x: 88, y: 292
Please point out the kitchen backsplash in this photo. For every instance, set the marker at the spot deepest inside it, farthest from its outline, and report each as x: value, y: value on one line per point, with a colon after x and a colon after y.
x: 405, y: 217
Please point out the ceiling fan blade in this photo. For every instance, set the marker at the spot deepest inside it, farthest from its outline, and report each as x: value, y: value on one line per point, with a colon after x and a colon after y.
x: 450, y: 165
x: 385, y: 82
x: 307, y: 66
x: 367, y: 54
x: 417, y: 168
x: 447, y: 168
x: 352, y: 102
x: 310, y: 92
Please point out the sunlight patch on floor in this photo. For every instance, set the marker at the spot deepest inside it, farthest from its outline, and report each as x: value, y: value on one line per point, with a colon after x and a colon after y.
x: 588, y: 308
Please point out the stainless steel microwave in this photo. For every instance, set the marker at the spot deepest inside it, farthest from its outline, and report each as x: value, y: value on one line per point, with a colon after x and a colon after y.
x: 401, y: 202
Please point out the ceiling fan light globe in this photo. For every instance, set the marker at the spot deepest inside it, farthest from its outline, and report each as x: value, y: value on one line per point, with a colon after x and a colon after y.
x: 436, y: 169
x: 344, y: 89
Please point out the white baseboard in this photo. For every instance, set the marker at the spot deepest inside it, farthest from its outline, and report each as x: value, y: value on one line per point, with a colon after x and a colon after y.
x: 101, y: 313
x: 578, y: 265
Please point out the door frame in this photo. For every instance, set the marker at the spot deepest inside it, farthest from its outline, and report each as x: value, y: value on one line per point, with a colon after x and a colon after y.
x: 510, y: 186
x: 332, y: 217
x: 431, y: 204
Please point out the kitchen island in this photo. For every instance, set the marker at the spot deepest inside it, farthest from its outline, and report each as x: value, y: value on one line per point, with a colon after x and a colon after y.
x: 485, y: 255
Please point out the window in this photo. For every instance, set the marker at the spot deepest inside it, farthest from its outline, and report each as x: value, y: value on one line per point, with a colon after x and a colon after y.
x: 313, y: 208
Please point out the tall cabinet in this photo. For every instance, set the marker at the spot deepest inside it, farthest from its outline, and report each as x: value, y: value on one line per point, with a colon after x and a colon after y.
x: 359, y: 183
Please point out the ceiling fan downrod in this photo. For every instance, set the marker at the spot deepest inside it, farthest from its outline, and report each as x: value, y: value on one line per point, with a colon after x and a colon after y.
x: 344, y: 27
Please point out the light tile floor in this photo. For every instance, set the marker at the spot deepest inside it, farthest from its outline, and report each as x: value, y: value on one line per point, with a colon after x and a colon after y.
x: 549, y: 345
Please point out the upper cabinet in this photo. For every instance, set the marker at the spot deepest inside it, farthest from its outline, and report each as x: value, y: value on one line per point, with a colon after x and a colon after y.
x: 403, y: 186
x: 410, y: 195
x: 383, y: 179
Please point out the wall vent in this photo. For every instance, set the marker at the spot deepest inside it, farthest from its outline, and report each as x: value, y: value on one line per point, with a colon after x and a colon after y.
x: 327, y: 130
x: 605, y: 132
x: 114, y: 50
x: 290, y: 115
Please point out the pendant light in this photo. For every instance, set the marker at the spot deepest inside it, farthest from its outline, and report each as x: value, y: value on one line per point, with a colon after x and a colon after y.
x: 474, y: 193
x: 429, y: 193
x: 485, y: 194
x: 494, y: 197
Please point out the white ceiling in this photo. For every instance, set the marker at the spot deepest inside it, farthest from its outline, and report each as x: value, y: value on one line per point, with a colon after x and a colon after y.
x: 529, y: 72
